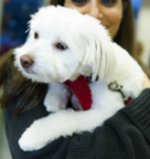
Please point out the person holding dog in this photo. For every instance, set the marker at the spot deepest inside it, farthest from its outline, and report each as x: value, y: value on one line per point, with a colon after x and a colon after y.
x: 125, y: 135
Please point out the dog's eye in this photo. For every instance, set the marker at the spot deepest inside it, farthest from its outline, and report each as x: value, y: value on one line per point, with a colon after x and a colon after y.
x: 61, y: 46
x: 36, y: 35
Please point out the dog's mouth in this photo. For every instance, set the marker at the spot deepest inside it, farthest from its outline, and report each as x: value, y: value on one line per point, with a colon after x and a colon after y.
x: 29, y: 70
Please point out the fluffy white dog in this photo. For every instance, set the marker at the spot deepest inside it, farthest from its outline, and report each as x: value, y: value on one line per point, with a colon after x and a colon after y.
x: 62, y: 45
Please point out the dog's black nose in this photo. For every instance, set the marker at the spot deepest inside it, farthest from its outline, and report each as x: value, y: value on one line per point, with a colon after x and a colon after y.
x: 26, y: 61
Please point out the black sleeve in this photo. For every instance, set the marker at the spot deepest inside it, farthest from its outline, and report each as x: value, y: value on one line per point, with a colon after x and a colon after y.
x: 126, y: 135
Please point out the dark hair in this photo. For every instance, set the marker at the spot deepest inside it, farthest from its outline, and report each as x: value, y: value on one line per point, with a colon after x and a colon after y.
x: 15, y: 88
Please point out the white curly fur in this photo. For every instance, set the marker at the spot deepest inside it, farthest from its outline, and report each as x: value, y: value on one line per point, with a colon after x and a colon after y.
x: 89, y: 50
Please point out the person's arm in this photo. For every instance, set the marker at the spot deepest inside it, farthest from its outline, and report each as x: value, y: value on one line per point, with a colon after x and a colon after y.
x: 124, y: 136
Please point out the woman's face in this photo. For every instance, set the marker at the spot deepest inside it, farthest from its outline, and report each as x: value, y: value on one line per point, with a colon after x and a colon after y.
x: 109, y: 12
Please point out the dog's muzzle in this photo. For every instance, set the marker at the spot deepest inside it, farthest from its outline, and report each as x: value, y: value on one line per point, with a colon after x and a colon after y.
x: 26, y: 61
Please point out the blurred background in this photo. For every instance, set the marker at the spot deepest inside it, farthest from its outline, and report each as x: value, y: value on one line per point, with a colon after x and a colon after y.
x: 14, y: 15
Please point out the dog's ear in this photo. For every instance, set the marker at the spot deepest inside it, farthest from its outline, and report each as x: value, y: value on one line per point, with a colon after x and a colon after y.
x: 93, y: 57
x: 98, y: 55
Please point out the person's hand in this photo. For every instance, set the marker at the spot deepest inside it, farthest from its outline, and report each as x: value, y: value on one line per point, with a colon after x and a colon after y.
x: 146, y: 83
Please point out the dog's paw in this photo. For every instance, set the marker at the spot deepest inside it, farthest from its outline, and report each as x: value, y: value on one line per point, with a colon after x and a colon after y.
x: 30, y: 143
x: 54, y: 103
x: 56, y: 98
x: 54, y: 107
x: 32, y: 139
x: 47, y: 129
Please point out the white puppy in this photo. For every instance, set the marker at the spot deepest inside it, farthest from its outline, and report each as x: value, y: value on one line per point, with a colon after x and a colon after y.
x: 62, y: 45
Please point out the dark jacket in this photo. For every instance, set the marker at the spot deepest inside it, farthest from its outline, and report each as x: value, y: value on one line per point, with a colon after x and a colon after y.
x: 126, y: 135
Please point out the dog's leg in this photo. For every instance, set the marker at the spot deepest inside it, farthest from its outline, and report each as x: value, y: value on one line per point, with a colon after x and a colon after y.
x: 63, y: 123
x: 56, y: 97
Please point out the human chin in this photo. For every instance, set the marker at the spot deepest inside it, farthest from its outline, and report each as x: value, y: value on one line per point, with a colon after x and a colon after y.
x: 113, y: 31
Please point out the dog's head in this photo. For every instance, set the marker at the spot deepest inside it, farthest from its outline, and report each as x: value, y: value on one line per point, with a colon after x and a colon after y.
x: 62, y: 44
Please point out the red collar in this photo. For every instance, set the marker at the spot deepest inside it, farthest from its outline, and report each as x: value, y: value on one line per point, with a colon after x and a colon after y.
x: 81, y: 89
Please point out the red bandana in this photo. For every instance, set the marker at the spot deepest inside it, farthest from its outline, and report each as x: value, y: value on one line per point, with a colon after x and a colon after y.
x: 82, y: 91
